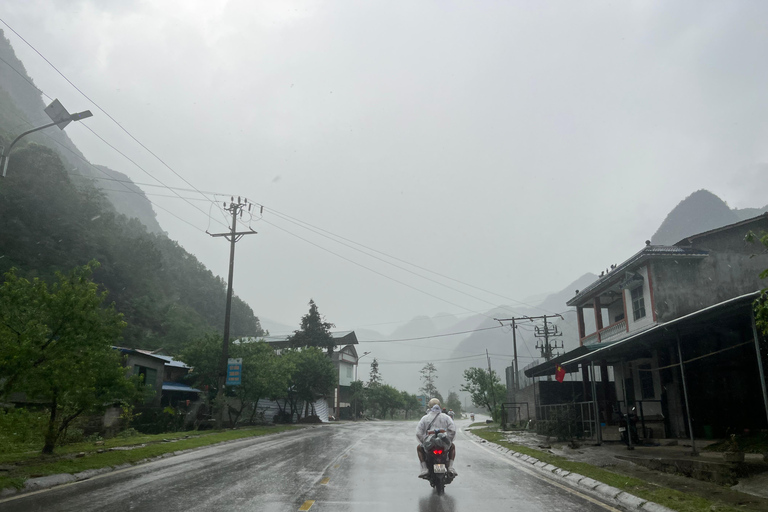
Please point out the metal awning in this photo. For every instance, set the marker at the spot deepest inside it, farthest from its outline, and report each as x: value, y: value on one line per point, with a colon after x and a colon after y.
x: 564, y: 360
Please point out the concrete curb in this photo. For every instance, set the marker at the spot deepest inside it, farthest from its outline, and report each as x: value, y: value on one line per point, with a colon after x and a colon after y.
x: 582, y: 483
x: 47, y: 482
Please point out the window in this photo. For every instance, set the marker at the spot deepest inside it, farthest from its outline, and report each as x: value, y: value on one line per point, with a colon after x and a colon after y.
x: 638, y: 303
x: 148, y: 375
x: 349, y: 371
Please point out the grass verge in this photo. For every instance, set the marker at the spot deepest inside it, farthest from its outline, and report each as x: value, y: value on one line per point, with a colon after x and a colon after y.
x: 671, y: 498
x: 18, y: 467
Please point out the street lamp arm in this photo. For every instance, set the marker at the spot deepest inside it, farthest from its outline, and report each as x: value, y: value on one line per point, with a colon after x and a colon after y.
x: 5, y: 155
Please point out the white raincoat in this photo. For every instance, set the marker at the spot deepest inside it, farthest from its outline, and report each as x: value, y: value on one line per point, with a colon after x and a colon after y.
x: 441, y: 422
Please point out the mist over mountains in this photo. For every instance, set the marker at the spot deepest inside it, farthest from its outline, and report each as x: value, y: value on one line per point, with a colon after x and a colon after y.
x: 701, y: 211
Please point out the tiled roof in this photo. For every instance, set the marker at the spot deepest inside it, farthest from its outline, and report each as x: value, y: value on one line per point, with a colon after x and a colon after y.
x: 649, y: 251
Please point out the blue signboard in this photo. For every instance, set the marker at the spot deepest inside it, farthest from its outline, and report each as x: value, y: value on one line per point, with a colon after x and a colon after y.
x: 234, y: 371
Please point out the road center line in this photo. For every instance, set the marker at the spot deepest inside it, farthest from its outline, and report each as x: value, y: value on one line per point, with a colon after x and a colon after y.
x: 325, y: 480
x: 307, y: 505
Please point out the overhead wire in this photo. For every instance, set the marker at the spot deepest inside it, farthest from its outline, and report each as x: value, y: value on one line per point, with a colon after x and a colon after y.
x: 109, y: 116
x: 108, y: 144
x: 433, y: 336
x: 316, y: 229
x: 286, y: 217
x: 372, y: 270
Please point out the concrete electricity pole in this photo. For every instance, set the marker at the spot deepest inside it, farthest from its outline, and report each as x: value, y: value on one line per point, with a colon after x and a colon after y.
x: 233, y: 236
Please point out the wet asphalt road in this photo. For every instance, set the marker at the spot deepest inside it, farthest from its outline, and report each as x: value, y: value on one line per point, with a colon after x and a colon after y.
x: 366, y: 467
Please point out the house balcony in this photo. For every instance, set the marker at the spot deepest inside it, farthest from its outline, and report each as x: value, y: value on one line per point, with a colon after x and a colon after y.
x: 613, y: 332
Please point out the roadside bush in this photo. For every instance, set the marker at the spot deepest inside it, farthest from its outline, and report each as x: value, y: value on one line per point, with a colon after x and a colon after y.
x: 158, y: 421
x: 22, y: 429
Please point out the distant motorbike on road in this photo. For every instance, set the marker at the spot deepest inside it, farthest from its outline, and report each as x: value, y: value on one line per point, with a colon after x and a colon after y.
x: 436, y: 447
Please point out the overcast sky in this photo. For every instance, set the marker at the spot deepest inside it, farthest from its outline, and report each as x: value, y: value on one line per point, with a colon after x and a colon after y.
x: 513, y: 146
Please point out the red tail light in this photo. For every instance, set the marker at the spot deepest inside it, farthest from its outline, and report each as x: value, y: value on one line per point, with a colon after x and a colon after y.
x: 437, y: 452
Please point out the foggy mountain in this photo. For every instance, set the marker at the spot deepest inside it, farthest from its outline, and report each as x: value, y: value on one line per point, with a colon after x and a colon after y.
x: 22, y: 108
x: 699, y: 212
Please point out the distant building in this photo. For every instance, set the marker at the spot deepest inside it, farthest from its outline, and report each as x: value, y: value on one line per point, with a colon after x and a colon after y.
x: 163, y: 373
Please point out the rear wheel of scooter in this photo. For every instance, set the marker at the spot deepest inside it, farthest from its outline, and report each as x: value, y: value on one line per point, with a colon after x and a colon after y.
x: 440, y: 485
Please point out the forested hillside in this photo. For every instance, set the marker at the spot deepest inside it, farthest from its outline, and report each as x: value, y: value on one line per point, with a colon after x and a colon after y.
x: 53, y: 220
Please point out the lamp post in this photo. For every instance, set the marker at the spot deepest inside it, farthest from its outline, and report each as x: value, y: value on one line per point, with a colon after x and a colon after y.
x: 358, y: 359
x: 60, y: 118
x: 356, y: 364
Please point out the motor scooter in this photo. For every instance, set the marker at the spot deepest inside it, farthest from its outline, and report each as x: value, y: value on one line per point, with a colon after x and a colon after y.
x: 436, y: 447
x: 630, y: 425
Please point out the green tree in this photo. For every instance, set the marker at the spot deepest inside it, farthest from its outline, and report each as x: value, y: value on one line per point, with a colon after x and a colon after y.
x: 375, y: 377
x: 314, y: 332
x: 312, y: 376
x: 428, y: 378
x: 357, y: 397
x: 56, y: 346
x: 485, y: 389
x: 204, y: 356
x: 761, y: 303
x: 263, y: 376
x: 453, y: 402
x: 410, y: 403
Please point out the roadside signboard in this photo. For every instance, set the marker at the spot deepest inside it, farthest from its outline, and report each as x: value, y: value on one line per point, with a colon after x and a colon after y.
x: 234, y: 371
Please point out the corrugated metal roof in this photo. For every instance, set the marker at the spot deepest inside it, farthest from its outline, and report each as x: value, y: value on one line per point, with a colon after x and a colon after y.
x: 176, y: 386
x: 347, y: 337
x: 649, y: 251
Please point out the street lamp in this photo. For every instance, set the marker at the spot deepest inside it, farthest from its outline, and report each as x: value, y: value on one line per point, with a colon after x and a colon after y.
x: 60, y: 118
x: 356, y: 364
x: 358, y: 360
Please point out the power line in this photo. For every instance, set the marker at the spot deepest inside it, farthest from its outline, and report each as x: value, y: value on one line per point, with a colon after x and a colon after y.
x: 433, y: 336
x: 305, y: 224
x: 104, y: 112
x: 111, y: 146
x: 372, y: 270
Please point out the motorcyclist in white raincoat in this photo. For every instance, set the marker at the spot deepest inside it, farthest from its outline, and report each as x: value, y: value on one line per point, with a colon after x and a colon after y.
x: 435, y: 420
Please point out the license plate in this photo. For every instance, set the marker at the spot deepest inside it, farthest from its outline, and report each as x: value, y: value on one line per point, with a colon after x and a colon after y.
x: 622, y: 429
x: 439, y: 468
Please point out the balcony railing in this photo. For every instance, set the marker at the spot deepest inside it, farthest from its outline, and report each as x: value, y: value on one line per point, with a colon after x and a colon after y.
x: 609, y: 333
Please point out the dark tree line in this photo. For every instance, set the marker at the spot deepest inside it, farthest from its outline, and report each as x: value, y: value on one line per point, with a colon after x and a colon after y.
x: 49, y: 224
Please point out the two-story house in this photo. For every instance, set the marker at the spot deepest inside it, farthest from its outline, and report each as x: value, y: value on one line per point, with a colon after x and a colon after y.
x: 689, y: 302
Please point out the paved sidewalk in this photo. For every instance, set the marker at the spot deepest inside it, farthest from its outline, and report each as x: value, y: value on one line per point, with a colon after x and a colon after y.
x: 751, y: 492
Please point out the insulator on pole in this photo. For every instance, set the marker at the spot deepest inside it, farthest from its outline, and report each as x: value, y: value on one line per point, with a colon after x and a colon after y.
x: 238, y: 199
x: 249, y: 207
x: 262, y: 210
x: 225, y: 204
x: 231, y: 199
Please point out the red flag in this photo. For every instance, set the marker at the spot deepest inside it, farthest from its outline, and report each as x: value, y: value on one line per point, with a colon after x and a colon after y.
x: 560, y: 374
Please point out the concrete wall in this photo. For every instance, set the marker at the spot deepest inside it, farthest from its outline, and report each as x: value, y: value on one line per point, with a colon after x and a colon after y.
x: 136, y: 359
x: 682, y: 286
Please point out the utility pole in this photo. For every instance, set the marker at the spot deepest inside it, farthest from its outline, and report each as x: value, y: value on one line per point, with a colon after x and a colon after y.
x: 516, y: 386
x: 490, y: 380
x: 233, y: 236
x: 547, y: 332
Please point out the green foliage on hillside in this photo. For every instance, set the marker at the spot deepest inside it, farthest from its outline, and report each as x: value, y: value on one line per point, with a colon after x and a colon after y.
x: 47, y: 224
x: 56, y: 347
